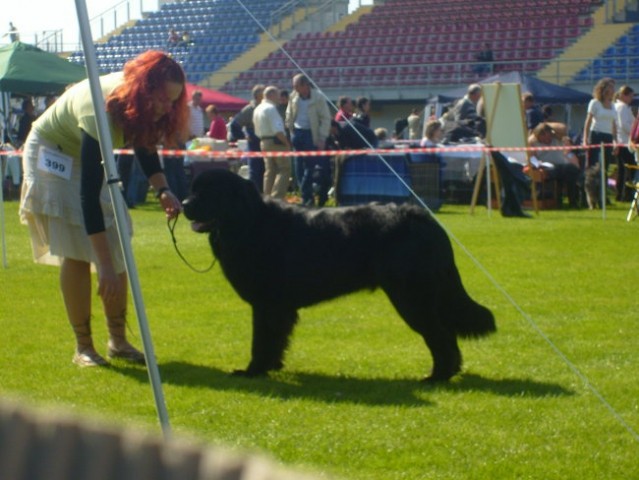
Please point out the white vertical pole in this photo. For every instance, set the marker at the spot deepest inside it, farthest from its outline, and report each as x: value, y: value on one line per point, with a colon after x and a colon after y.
x: 106, y: 147
x: 602, y: 164
x: 489, y: 200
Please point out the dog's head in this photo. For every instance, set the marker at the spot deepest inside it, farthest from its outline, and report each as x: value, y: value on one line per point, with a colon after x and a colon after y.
x: 218, y: 197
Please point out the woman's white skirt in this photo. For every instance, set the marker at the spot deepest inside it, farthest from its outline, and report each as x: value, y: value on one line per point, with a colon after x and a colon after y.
x: 50, y: 207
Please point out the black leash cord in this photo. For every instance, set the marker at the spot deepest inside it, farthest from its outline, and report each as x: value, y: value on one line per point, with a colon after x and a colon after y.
x: 172, y: 230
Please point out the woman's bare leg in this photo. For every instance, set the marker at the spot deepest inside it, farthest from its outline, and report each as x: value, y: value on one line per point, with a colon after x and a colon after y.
x: 75, y: 283
x: 115, y: 311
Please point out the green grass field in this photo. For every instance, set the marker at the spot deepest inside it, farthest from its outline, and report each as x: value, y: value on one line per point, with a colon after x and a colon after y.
x: 553, y: 395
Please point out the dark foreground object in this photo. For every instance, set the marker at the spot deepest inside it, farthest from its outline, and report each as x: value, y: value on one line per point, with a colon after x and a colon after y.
x: 280, y: 258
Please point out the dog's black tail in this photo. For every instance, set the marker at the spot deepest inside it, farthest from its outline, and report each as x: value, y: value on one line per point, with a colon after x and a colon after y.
x: 469, y: 318
x: 474, y: 320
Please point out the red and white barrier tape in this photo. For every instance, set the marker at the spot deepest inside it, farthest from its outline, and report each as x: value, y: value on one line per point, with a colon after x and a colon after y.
x: 234, y: 153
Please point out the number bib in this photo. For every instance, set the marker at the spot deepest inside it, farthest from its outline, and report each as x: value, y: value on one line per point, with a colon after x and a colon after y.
x: 54, y: 162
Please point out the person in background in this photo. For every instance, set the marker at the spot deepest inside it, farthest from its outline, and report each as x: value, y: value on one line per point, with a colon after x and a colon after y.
x: 362, y: 111
x: 196, y: 115
x: 555, y: 163
x: 433, y: 134
x: 534, y: 115
x: 173, y: 38
x: 383, y: 140
x: 345, y: 112
x: 309, y: 121
x: 283, y: 103
x: 217, y: 128
x: 485, y: 60
x: 14, y: 34
x: 414, y: 123
x: 68, y: 210
x: 624, y: 119
x: 600, y: 125
x: 269, y: 127
x: 28, y: 116
x: 244, y: 121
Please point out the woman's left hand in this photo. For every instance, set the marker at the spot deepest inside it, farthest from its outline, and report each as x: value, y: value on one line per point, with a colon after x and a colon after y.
x: 170, y: 203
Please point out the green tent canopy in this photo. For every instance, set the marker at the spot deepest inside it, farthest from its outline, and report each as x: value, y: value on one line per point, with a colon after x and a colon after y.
x: 28, y: 70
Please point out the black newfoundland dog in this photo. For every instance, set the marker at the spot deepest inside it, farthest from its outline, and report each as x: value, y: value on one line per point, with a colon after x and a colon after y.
x: 280, y: 258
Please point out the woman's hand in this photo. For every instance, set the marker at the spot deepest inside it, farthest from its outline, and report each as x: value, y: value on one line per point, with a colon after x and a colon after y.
x: 170, y: 203
x: 109, y: 284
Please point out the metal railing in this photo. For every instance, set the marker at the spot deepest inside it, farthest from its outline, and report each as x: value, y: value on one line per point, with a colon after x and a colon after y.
x: 311, y: 7
x: 60, y: 40
x: 418, y: 75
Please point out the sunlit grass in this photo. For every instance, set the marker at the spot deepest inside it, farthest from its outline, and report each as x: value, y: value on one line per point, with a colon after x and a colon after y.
x: 349, y: 402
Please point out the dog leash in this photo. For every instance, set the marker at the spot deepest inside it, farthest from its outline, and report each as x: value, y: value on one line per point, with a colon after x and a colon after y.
x: 171, y: 225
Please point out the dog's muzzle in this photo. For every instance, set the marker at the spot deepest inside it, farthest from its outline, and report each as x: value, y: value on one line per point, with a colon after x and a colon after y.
x: 199, y: 227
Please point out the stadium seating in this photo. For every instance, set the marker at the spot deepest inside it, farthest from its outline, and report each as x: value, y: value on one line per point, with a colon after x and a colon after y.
x: 218, y: 29
x: 442, y: 35
x: 619, y: 61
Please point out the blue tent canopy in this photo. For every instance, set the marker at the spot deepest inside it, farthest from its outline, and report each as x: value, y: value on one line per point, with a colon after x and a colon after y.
x: 544, y: 92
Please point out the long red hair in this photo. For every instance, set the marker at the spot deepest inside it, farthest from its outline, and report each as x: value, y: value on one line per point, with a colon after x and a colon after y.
x: 131, y: 104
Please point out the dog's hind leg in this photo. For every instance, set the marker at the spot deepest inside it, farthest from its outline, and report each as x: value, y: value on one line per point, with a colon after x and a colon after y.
x: 420, y: 311
x: 271, y: 331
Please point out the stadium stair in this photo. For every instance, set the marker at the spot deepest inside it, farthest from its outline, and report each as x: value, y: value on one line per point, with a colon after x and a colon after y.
x: 593, y: 43
x: 258, y: 52
x: 266, y: 46
x: 117, y: 31
x: 351, y: 19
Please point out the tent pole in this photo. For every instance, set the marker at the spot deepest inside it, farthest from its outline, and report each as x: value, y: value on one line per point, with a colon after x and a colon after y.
x: 106, y: 148
x: 4, y: 243
x: 3, y: 163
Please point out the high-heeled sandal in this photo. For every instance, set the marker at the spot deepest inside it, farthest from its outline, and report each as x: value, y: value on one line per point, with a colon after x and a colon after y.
x: 89, y: 358
x: 126, y: 352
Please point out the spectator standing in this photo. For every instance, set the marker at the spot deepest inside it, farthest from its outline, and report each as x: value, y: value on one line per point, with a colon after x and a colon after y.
x: 345, y: 112
x: 600, y: 124
x: 362, y: 111
x: 244, y: 121
x: 217, y: 128
x: 484, y: 59
x: 28, y: 116
x: 283, y: 103
x: 624, y: 119
x: 196, y: 117
x: 269, y: 127
x: 534, y: 115
x: 14, y: 35
x: 69, y: 211
x: 414, y: 122
x: 309, y: 121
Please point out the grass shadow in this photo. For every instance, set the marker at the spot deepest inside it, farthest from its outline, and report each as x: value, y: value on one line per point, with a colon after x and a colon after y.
x: 509, y: 387
x: 406, y: 392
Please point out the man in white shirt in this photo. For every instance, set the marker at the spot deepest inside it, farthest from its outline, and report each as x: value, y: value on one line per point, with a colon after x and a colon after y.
x: 196, y: 122
x: 269, y: 127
